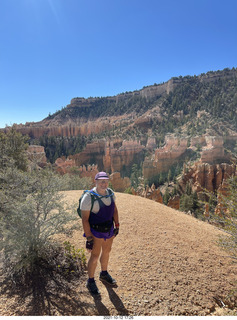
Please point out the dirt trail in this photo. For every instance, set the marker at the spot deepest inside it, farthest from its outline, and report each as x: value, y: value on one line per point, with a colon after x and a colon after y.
x: 165, y: 263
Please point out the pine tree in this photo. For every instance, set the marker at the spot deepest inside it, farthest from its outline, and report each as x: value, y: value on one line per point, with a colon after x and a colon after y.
x: 166, y: 196
x: 13, y: 149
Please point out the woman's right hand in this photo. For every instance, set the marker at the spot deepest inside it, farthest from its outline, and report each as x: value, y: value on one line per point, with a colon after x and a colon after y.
x: 89, y: 243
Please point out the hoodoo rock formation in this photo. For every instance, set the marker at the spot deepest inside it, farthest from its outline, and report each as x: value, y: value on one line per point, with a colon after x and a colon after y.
x: 141, y: 117
x: 174, y: 150
x: 163, y: 158
x: 64, y: 165
x: 174, y: 202
x: 204, y: 176
x: 213, y: 151
x: 126, y: 155
x: 88, y: 172
x: 222, y: 192
x: 111, y: 156
x: 92, y: 154
x: 151, y: 193
x: 68, y: 129
x: 115, y: 156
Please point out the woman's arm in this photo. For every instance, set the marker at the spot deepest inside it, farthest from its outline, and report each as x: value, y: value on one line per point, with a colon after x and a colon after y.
x: 116, y: 216
x: 85, y: 222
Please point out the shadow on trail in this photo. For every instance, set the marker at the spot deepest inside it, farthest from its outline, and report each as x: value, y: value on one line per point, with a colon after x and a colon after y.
x: 115, y: 299
x: 46, y: 293
x: 101, y: 308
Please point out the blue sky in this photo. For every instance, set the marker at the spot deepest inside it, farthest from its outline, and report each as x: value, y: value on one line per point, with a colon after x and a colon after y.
x: 54, y: 50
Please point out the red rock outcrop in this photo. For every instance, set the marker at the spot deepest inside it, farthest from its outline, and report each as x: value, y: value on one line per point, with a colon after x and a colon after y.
x: 213, y: 151
x: 92, y: 154
x: 146, y: 92
x: 110, y: 156
x: 64, y: 165
x: 206, y: 213
x: 107, y: 156
x: 124, y: 156
x: 65, y: 130
x: 88, y: 172
x: 149, y: 192
x: 174, y: 202
x: 143, y: 122
x: 72, y: 126
x: 222, y: 191
x: 204, y: 176
x: 151, y: 143
x: 165, y: 157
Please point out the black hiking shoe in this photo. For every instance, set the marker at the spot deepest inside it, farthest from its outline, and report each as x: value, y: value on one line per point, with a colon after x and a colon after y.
x: 92, y: 287
x: 107, y: 279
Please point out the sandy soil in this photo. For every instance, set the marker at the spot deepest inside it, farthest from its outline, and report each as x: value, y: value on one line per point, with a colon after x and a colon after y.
x: 165, y: 263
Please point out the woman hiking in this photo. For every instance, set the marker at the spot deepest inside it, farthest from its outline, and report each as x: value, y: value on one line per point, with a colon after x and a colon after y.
x: 101, y: 224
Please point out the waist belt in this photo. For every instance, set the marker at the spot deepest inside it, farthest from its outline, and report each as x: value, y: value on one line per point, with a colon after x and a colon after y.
x: 102, y: 227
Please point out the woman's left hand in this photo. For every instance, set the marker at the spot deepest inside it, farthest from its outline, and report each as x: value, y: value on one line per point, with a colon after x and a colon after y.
x: 116, y: 231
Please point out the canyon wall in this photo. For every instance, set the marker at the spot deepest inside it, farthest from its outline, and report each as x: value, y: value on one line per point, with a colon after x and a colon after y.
x: 64, y: 165
x: 106, y: 155
x: 112, y: 156
x: 164, y: 158
x: 92, y: 154
x: 125, y: 155
x: 212, y: 151
x: 146, y: 92
x: 66, y: 130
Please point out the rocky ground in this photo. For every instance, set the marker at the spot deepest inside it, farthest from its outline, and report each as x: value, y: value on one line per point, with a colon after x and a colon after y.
x: 165, y: 263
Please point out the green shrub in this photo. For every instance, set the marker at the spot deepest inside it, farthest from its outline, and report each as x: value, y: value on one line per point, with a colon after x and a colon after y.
x: 32, y: 212
x: 74, y: 182
x: 75, y: 255
x: 128, y: 190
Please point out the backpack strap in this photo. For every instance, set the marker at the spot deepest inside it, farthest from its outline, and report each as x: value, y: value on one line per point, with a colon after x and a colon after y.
x: 96, y: 196
x: 111, y: 193
x: 92, y: 197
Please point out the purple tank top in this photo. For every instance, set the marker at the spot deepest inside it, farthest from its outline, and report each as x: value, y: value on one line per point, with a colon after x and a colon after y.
x: 104, y: 215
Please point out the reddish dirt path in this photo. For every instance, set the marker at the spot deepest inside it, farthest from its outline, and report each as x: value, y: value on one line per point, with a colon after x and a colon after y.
x: 165, y: 263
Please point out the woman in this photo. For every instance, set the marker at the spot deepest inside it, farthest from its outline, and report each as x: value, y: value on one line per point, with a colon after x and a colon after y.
x: 101, y: 224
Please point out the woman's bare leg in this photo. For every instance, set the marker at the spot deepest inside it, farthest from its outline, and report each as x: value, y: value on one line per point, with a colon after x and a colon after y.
x: 95, y: 253
x: 106, y: 248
